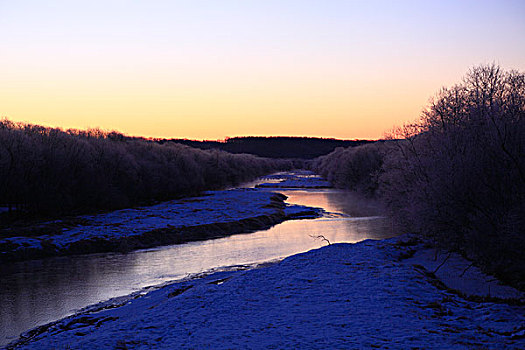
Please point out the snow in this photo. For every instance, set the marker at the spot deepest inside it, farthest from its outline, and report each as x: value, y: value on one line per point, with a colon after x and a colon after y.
x: 297, y: 179
x: 457, y: 273
x: 213, y: 207
x: 4, y: 209
x: 372, y: 294
x: 339, y: 296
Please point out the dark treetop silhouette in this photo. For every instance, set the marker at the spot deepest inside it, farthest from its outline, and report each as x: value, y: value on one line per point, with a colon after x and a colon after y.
x: 457, y: 174
x: 51, y: 171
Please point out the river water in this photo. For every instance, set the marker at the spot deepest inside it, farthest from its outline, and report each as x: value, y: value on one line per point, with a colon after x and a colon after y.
x: 34, y: 293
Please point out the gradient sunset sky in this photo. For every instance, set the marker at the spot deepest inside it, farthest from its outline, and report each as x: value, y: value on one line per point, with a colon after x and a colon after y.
x: 212, y: 69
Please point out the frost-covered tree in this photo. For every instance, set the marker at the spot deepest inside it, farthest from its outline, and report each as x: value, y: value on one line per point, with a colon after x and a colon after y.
x: 355, y: 168
x: 458, y: 173
x: 51, y: 171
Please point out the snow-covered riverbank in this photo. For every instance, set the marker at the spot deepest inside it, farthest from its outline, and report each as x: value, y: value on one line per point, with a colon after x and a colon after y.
x: 363, y: 295
x: 297, y: 179
x: 214, y: 214
x: 372, y: 294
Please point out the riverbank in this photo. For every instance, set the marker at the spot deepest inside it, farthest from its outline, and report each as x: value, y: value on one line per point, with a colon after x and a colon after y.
x: 298, y: 179
x: 58, y: 287
x: 364, y: 295
x: 214, y: 214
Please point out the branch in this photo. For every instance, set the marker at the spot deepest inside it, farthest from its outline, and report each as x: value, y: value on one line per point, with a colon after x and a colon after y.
x: 443, y: 263
x: 468, y: 267
x: 321, y: 237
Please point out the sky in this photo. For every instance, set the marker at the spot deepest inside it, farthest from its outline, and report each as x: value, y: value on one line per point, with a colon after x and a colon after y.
x: 214, y: 69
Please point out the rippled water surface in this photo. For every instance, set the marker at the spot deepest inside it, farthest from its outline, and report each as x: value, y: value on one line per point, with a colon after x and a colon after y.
x: 37, y: 292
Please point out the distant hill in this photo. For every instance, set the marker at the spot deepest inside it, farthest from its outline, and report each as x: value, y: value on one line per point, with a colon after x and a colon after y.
x: 274, y: 147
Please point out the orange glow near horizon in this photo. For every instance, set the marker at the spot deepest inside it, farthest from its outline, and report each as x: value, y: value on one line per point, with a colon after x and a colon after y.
x: 344, y: 70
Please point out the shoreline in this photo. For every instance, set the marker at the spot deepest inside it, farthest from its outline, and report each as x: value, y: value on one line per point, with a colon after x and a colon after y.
x: 367, y: 294
x: 215, y: 214
x: 388, y: 293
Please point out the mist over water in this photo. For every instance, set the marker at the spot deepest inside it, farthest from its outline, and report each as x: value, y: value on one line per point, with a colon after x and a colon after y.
x: 41, y: 291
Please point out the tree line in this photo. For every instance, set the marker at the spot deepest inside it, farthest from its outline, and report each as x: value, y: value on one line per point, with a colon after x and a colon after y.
x: 275, y: 146
x: 456, y: 175
x: 47, y: 171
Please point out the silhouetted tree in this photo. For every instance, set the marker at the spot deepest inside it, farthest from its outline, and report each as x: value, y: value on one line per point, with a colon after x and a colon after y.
x: 458, y: 174
x: 355, y: 168
x: 48, y: 170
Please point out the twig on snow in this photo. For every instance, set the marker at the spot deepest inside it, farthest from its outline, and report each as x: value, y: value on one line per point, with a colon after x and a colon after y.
x: 321, y: 237
x: 443, y: 263
x: 468, y: 267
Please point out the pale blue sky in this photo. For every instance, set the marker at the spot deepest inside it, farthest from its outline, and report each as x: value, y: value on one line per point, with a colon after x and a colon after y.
x: 244, y: 67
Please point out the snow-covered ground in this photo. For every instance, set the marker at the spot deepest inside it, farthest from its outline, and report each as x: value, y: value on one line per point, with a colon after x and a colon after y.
x: 460, y: 275
x: 372, y: 294
x: 4, y: 210
x: 297, y: 179
x: 236, y: 210
x: 345, y: 296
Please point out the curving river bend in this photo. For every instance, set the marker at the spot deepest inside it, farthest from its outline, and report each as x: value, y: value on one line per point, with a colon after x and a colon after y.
x: 37, y: 292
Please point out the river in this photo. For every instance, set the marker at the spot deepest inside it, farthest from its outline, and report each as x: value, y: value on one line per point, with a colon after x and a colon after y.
x: 37, y: 292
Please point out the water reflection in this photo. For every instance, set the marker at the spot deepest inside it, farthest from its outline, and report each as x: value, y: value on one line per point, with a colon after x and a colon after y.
x: 38, y: 292
x: 41, y: 291
x: 337, y: 201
